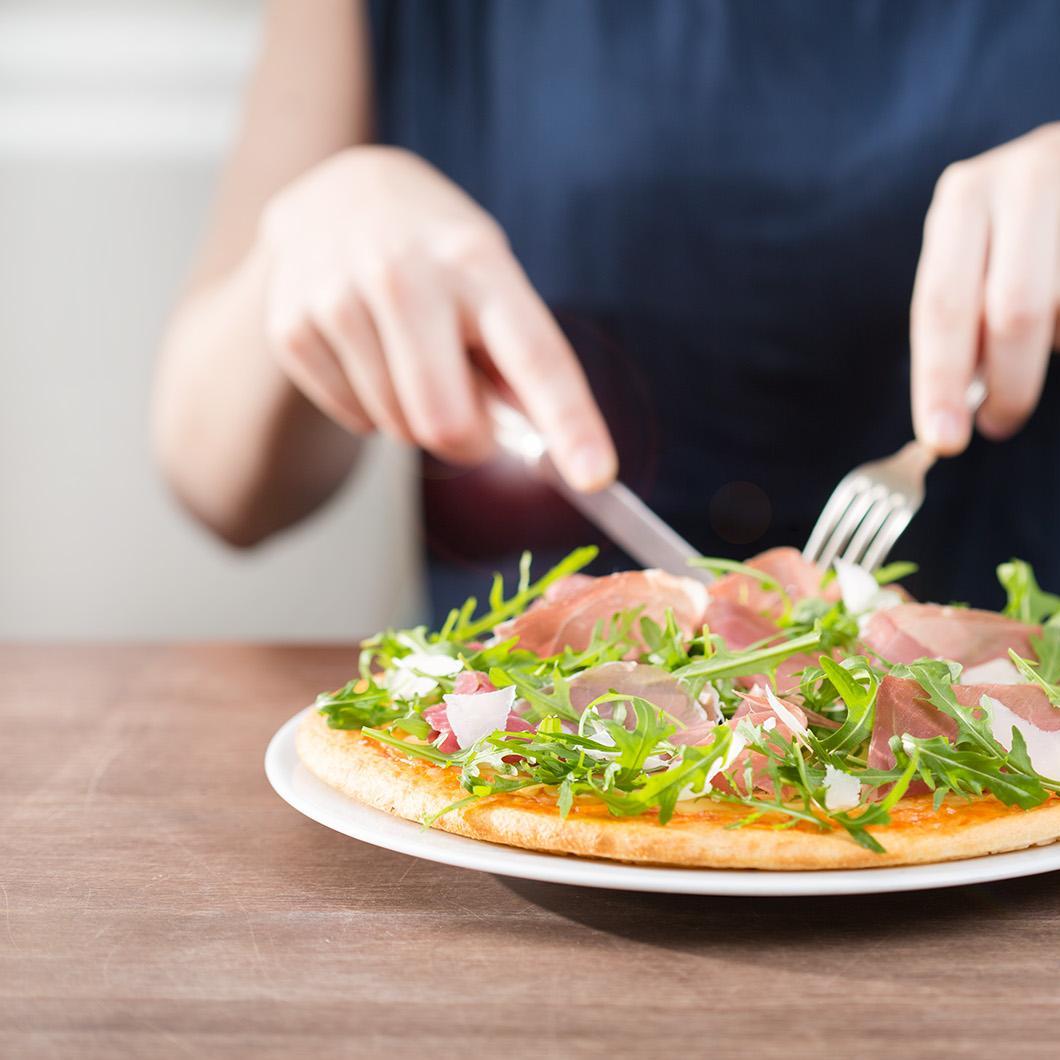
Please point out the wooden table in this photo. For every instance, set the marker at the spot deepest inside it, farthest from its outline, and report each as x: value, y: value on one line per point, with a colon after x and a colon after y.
x: 157, y: 899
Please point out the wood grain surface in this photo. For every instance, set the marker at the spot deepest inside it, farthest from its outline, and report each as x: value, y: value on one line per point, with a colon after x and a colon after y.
x: 157, y: 899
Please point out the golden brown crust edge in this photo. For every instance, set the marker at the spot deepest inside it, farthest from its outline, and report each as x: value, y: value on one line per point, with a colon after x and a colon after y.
x: 364, y: 770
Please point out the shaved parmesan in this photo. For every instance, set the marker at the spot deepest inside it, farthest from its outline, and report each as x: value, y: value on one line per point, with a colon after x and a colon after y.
x: 598, y: 734
x: 1043, y: 748
x: 476, y: 714
x: 738, y: 745
x: 710, y: 701
x: 414, y: 675
x: 784, y: 714
x: 999, y: 671
x: 841, y: 790
x: 861, y: 593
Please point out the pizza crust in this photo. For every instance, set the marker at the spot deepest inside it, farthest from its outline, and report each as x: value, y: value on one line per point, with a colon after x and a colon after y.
x: 374, y: 774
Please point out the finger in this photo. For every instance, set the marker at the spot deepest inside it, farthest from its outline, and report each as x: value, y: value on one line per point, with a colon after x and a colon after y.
x: 1019, y: 312
x: 347, y: 325
x: 417, y: 320
x: 311, y: 364
x: 946, y: 309
x: 533, y: 356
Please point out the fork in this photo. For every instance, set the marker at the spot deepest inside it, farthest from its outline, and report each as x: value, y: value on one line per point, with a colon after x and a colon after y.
x: 875, y: 502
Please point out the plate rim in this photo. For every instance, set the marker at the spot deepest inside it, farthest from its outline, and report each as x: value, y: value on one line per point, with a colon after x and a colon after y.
x: 282, y: 767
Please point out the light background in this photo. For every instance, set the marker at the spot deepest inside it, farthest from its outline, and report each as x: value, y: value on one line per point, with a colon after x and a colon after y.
x: 113, y: 119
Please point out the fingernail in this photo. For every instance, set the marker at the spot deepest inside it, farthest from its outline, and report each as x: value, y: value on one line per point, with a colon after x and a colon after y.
x: 591, y: 467
x: 947, y: 431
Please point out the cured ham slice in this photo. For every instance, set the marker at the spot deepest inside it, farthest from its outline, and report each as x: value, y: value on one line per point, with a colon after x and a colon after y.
x: 909, y: 632
x: 788, y: 676
x: 1027, y: 703
x: 469, y: 681
x: 653, y: 683
x: 789, y: 672
x: 767, y: 712
x: 565, y: 589
x: 980, y: 642
x: 785, y: 566
x: 567, y: 620
x: 902, y: 708
x: 738, y: 625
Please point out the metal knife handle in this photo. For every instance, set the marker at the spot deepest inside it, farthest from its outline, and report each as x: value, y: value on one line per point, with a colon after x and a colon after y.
x: 615, y: 509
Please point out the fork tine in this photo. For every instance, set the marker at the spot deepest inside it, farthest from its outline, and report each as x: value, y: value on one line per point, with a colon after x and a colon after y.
x: 859, y: 507
x: 890, y: 532
x: 869, y: 528
x: 833, y: 511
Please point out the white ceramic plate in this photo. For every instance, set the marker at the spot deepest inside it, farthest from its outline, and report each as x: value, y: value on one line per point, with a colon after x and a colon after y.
x: 297, y: 786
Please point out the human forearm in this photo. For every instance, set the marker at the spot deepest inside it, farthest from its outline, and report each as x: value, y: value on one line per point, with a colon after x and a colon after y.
x: 241, y: 447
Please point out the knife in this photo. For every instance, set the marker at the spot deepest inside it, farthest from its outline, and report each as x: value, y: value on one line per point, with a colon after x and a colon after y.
x: 615, y: 509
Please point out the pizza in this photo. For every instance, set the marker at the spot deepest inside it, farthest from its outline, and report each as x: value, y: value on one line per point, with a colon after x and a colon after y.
x: 781, y: 717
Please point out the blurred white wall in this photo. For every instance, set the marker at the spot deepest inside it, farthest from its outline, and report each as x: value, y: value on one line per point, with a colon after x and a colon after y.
x: 113, y: 119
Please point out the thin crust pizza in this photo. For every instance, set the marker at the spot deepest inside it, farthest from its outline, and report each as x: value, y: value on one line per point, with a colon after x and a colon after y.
x: 777, y: 719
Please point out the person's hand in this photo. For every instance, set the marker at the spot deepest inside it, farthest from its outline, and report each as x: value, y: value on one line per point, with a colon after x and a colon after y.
x: 987, y: 291
x: 382, y: 276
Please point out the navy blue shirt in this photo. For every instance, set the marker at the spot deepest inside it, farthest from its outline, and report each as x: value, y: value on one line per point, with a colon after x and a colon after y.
x: 722, y: 201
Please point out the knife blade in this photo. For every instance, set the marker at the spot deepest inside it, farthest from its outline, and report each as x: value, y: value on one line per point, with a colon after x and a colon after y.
x: 615, y: 509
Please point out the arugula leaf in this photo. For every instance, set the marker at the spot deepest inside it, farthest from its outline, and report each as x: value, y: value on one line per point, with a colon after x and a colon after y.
x: 720, y: 565
x: 464, y: 628
x: 893, y: 572
x: 1027, y: 601
x: 860, y: 700
x: 357, y: 704
x: 426, y: 751
x: 1035, y: 676
x: 667, y: 644
x: 1047, y: 648
x: 975, y: 761
x: 546, y: 695
x: 633, y: 746
x: 971, y: 772
x: 725, y: 663
x: 878, y: 813
x: 936, y: 679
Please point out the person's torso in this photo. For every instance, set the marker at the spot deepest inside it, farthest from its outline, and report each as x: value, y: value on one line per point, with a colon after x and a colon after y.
x: 723, y: 203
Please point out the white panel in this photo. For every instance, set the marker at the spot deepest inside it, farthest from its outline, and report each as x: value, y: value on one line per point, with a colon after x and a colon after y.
x: 96, y: 228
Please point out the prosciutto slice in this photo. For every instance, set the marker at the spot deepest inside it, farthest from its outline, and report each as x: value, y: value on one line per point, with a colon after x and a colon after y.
x: 785, y: 566
x: 909, y: 632
x: 980, y: 642
x: 1027, y: 702
x: 696, y: 720
x: 757, y: 709
x: 565, y: 589
x: 738, y: 625
x: 902, y: 708
x: 566, y: 620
